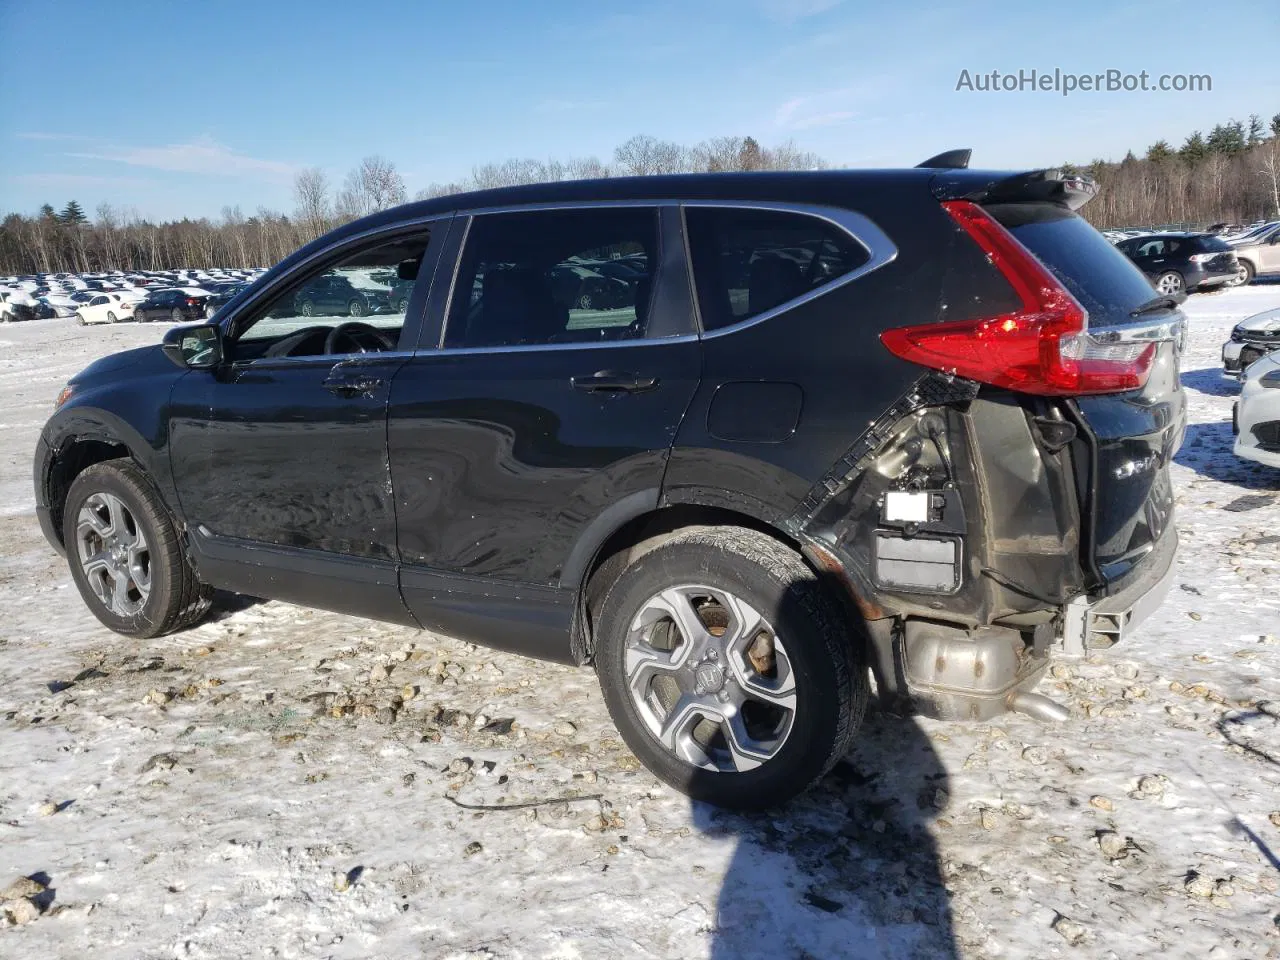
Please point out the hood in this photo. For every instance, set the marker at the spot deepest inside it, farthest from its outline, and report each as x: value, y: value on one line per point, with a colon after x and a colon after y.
x: 109, y: 366
x: 1268, y: 321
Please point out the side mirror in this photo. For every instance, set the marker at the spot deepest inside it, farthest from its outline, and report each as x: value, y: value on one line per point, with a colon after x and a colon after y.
x: 195, y: 346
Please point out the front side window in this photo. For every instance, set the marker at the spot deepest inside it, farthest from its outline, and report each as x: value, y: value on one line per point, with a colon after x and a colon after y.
x: 747, y: 261
x: 362, y: 296
x: 555, y: 276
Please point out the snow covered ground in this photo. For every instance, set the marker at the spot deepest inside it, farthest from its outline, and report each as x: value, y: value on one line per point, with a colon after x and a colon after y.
x: 283, y: 782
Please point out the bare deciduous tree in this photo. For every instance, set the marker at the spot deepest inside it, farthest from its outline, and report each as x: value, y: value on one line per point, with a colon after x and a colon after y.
x: 311, y: 200
x: 372, y: 186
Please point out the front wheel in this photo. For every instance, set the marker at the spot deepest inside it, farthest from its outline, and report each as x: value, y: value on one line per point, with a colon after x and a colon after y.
x: 1244, y: 274
x: 111, y: 317
x: 125, y: 556
x: 1170, y: 284
x: 176, y: 315
x: 356, y: 308
x: 728, y: 669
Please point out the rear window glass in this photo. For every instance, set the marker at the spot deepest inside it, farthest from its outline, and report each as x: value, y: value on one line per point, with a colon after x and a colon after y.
x: 1210, y: 245
x: 1100, y: 277
x: 748, y: 261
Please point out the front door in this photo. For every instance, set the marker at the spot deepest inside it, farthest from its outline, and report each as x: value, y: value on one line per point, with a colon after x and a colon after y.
x: 537, y: 416
x: 279, y: 455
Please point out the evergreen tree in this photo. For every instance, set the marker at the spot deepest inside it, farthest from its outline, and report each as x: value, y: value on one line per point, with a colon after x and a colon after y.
x: 1256, y: 130
x: 1275, y: 125
x: 749, y: 156
x: 1160, y: 152
x: 46, y: 212
x: 1226, y: 138
x: 1193, y: 149
x: 72, y: 214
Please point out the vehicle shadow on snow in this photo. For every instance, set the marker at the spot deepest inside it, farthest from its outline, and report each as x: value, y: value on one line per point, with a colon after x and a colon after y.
x: 1210, y: 381
x: 1206, y: 449
x: 848, y: 869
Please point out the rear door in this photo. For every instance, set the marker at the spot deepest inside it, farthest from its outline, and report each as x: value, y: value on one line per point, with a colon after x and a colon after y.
x: 1131, y: 437
x: 522, y: 432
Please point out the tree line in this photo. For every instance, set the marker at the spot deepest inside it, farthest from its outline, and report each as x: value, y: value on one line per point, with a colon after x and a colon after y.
x: 1232, y: 173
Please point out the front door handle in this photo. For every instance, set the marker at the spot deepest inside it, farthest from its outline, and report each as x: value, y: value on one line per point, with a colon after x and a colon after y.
x: 352, y: 386
x: 610, y: 381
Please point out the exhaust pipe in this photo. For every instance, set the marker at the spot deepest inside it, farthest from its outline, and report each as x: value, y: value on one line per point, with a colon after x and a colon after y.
x: 1038, y: 707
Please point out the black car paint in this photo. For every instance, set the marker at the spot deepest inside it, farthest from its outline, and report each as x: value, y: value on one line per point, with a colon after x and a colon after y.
x: 498, y: 481
x: 1209, y: 273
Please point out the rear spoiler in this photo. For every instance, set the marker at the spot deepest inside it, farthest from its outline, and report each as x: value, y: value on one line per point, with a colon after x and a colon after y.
x: 1070, y: 190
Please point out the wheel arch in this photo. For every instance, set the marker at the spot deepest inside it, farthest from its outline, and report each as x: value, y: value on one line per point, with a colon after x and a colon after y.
x: 77, y: 443
x: 630, y: 536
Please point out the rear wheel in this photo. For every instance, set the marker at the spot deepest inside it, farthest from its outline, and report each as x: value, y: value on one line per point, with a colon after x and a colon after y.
x: 727, y: 668
x: 111, y: 317
x: 307, y: 308
x: 1170, y: 283
x: 125, y: 556
x: 176, y: 315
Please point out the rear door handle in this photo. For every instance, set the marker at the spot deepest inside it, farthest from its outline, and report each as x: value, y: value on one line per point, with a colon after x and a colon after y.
x: 610, y: 381
x: 352, y: 386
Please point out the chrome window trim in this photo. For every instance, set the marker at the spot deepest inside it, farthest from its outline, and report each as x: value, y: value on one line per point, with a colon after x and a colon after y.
x: 861, y: 229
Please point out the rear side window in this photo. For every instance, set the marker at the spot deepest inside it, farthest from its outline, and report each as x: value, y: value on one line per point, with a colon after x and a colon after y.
x: 747, y: 261
x: 1100, y: 277
x: 555, y: 276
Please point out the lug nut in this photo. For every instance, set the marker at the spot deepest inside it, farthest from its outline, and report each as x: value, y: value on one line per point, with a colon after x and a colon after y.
x: 723, y: 696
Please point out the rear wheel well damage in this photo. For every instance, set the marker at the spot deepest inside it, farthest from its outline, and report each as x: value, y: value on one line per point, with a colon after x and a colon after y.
x: 644, y: 533
x: 71, y: 459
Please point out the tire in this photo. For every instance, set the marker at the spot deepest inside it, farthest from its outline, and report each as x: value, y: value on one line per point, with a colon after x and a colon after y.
x: 1245, y: 275
x: 176, y: 315
x: 158, y: 589
x: 356, y: 308
x: 307, y: 308
x: 735, y: 573
x: 111, y: 317
x: 209, y: 312
x: 1170, y: 283
x: 79, y: 319
x: 584, y: 301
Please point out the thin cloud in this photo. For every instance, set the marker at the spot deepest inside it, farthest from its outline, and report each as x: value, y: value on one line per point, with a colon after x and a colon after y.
x: 38, y: 135
x: 789, y: 11
x: 61, y: 181
x: 201, y: 156
x: 829, y: 108
x: 567, y: 106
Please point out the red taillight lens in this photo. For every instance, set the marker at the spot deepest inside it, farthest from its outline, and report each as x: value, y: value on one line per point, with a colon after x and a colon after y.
x: 191, y: 301
x: 1043, y: 348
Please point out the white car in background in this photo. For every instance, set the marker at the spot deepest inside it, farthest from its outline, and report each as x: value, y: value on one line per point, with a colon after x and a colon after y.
x: 1251, y: 338
x: 1256, y: 417
x: 107, y: 308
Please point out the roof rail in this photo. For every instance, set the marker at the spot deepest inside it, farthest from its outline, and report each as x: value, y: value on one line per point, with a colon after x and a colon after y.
x: 949, y: 160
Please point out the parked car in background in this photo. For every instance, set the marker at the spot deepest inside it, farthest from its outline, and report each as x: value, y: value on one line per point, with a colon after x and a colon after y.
x: 1256, y: 416
x: 333, y: 294
x: 725, y: 497
x: 219, y: 295
x: 170, y: 304
x: 107, y: 308
x: 1251, y: 338
x: 1258, y: 254
x: 1177, y: 263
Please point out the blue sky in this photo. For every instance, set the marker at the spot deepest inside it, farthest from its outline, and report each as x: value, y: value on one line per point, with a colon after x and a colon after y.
x: 181, y: 109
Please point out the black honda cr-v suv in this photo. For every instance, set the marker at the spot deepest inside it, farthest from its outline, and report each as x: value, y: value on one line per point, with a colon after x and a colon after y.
x: 905, y: 424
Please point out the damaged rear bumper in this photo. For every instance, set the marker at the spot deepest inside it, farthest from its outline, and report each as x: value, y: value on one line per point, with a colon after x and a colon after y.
x: 1106, y: 621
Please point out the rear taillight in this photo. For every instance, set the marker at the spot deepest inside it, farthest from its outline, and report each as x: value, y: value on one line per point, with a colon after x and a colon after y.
x: 1042, y: 348
x: 192, y: 301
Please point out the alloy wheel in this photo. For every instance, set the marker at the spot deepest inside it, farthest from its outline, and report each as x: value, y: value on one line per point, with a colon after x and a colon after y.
x: 1169, y: 284
x: 113, y: 554
x: 710, y: 678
